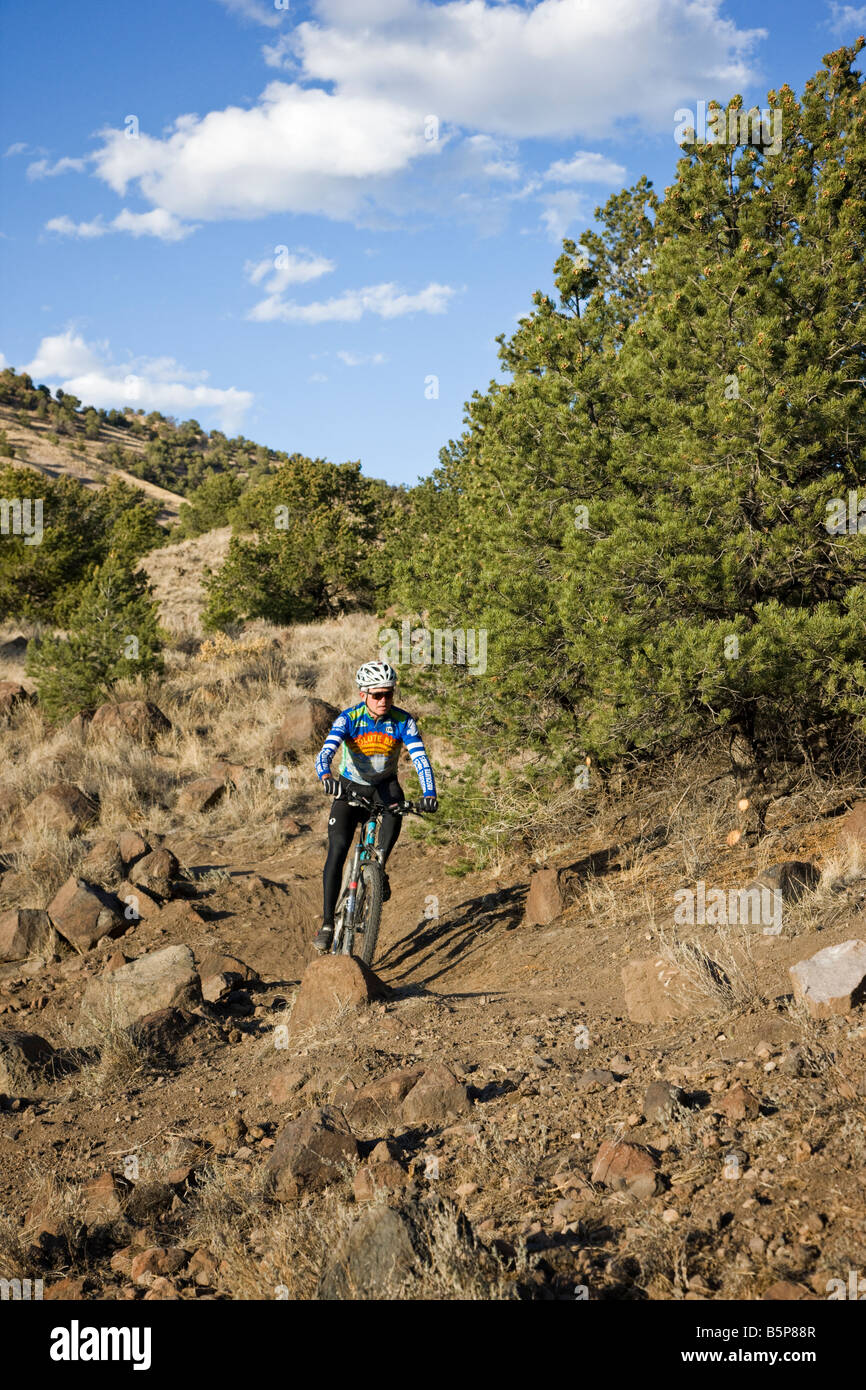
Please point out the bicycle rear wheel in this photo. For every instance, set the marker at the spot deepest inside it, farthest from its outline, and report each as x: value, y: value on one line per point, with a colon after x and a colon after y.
x: 367, y: 925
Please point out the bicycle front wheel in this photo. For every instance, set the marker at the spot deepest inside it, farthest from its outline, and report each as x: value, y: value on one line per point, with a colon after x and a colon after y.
x: 367, y: 928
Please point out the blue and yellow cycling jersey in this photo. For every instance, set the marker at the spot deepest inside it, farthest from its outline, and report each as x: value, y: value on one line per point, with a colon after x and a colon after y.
x: 371, y: 747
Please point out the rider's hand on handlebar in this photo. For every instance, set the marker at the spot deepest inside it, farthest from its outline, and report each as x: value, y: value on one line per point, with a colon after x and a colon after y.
x: 331, y: 786
x: 428, y: 803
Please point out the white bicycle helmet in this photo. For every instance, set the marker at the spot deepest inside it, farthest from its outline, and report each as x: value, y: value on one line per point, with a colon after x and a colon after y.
x: 376, y: 673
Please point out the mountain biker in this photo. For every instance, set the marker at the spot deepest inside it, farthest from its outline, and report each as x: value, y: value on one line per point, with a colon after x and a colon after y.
x: 371, y: 733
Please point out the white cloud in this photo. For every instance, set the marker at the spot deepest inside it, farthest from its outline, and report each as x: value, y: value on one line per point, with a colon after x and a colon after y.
x: 159, y: 383
x: 847, y: 17
x: 299, y: 150
x: 287, y: 268
x: 560, y: 211
x: 338, y: 138
x: 64, y: 226
x: 41, y: 169
x: 258, y: 11
x: 361, y: 359
x: 551, y: 68
x: 585, y: 167
x: 317, y: 376
x: 19, y: 147
x: 157, y: 222
x: 387, y: 301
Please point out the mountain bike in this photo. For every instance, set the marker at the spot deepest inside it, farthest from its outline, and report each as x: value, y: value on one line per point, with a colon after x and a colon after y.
x: 359, y: 909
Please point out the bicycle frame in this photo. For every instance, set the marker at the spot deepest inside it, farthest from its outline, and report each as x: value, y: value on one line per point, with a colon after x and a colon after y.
x: 364, y: 852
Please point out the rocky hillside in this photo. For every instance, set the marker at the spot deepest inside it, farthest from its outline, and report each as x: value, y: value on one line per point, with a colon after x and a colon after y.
x: 553, y: 1086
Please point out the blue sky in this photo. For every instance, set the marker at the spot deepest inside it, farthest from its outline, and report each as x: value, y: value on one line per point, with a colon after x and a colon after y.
x: 287, y: 221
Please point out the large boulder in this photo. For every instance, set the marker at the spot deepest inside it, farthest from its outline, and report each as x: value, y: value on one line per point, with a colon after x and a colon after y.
x: 24, y: 931
x: 329, y: 985
x: 201, y: 795
x: 545, y: 900
x: 375, y: 1108
x: 853, y: 825
x: 13, y: 693
x: 437, y: 1097
x: 833, y: 981
x: 387, y: 1246
x: 160, y: 980
x: 103, y: 861
x: 138, y: 719
x: 156, y: 872
x: 791, y: 879
x: 83, y: 913
x: 627, y: 1167
x: 310, y: 1152
x: 307, y: 724
x: 62, y: 807
x: 657, y: 991
x: 25, y: 1059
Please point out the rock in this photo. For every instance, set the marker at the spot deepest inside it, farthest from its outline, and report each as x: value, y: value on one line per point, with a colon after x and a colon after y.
x: 235, y: 773
x: 103, y: 862
x: 662, y: 1102
x: 833, y: 981
x: 138, y: 903
x: 621, y: 1066
x: 70, y: 1289
x: 374, y: 1178
x: 147, y: 1201
x: 201, y: 795
x: 161, y: 1289
x: 308, y: 723
x: 160, y: 980
x: 785, y: 1291
x: 62, y: 807
x: 225, y: 1137
x: 25, y: 1059
x: 544, y: 901
x: 154, y: 1262
x: 102, y: 1199
x: 330, y: 984
x: 376, y: 1107
x: 155, y: 871
x: 162, y: 1030
x: 132, y: 847
x: 792, y: 879
x: 853, y: 825
x: 25, y: 931
x: 114, y: 962
x: 202, y: 1268
x: 311, y: 1152
x: 14, y: 648
x: 657, y: 991
x: 739, y: 1104
x: 217, y: 987
x: 286, y: 1083
x: 288, y: 826
x: 215, y: 963
x: 179, y: 916
x: 83, y: 913
x: 436, y: 1097
x: 595, y: 1076
x: 627, y: 1167
x: 386, y: 1246
x: 138, y: 719
x: 13, y: 693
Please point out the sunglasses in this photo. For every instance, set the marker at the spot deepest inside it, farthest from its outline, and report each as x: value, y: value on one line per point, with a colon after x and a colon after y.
x: 381, y: 694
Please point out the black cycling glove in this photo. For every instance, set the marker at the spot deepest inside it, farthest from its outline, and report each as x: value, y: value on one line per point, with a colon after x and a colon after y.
x: 428, y: 803
x: 331, y: 786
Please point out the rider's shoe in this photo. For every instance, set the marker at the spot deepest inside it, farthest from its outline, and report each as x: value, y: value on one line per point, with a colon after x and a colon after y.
x: 322, y: 941
x: 386, y: 887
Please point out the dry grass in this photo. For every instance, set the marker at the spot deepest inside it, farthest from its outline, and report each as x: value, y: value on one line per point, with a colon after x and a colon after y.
x: 120, y: 1059
x: 727, y: 979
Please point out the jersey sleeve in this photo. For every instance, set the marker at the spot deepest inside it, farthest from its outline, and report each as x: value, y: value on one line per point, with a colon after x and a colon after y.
x: 417, y: 752
x: 337, y: 732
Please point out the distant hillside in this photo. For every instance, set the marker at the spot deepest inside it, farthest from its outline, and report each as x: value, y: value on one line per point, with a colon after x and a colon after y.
x: 176, y: 572
x: 59, y: 432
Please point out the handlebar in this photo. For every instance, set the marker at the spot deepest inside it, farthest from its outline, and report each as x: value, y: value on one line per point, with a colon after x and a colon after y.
x: 402, y: 808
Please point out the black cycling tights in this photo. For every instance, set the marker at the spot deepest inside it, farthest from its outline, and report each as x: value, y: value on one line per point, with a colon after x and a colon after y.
x: 342, y: 824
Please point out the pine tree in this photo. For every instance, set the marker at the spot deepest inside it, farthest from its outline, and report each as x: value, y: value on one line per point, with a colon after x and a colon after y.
x: 113, y: 633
